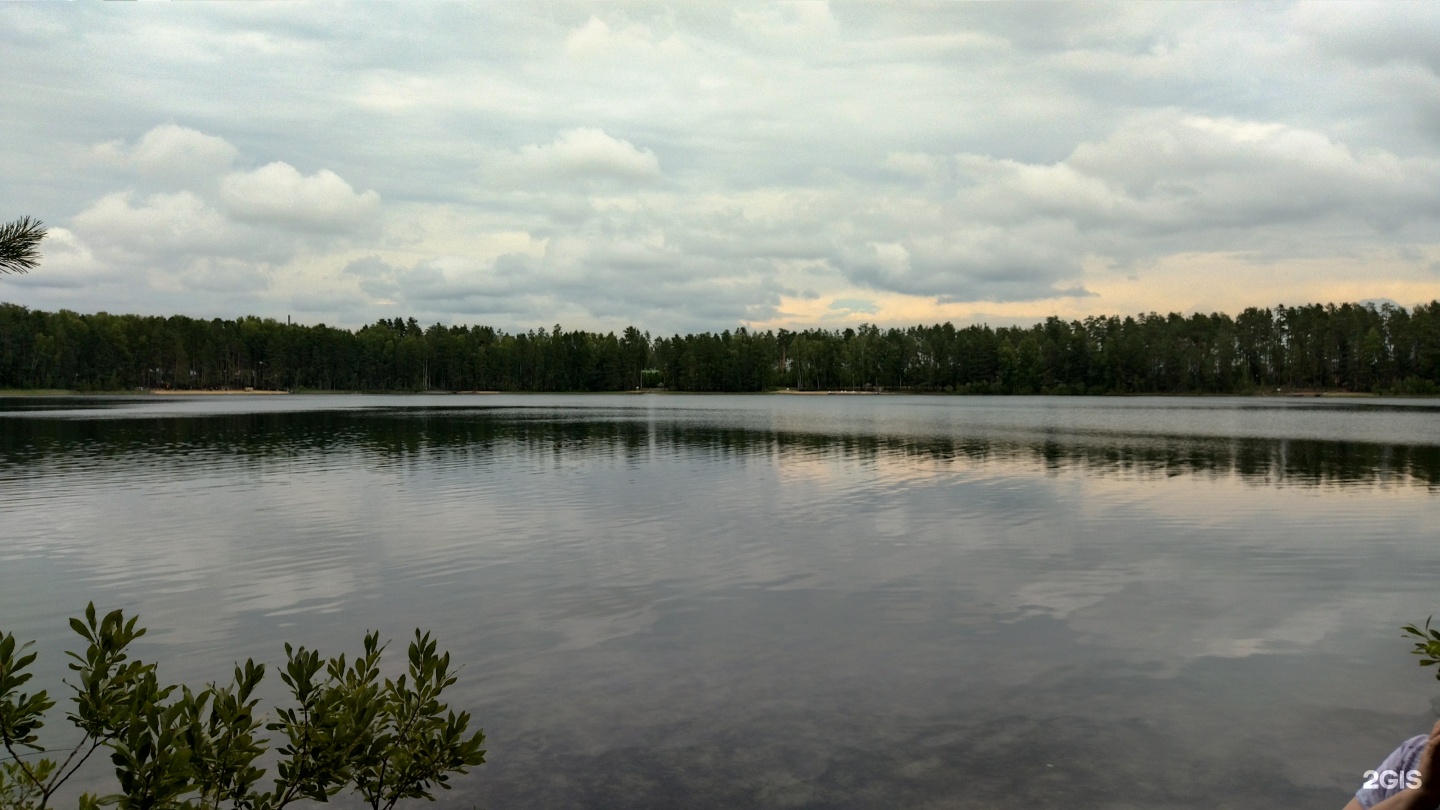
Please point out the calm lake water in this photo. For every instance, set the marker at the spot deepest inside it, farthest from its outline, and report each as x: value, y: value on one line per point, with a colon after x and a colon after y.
x: 782, y: 601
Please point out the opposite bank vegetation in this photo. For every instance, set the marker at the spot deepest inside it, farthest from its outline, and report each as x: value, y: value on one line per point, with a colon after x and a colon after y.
x: 1346, y: 347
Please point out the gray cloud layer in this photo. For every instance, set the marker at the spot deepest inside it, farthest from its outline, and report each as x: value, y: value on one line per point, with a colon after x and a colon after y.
x: 695, y: 167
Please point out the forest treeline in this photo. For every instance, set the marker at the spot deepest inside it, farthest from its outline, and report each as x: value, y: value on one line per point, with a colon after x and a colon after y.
x: 1346, y: 347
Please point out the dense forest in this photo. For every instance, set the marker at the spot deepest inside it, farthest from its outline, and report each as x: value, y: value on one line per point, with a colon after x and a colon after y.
x: 1347, y: 347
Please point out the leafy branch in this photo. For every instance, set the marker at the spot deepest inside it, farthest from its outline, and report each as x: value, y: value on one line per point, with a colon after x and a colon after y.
x: 172, y: 747
x: 1428, y: 646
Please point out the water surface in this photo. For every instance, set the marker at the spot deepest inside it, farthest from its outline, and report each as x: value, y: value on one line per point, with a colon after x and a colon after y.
x: 771, y: 601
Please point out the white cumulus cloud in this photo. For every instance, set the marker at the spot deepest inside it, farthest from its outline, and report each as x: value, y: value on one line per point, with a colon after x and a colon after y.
x: 278, y: 194
x: 159, y: 225
x: 587, y: 152
x: 1172, y: 172
x: 171, y: 152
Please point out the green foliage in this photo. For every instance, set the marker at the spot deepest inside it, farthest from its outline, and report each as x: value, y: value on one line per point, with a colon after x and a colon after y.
x: 20, y: 245
x: 1345, y: 347
x: 420, y: 742
x: 21, y: 714
x: 172, y: 747
x: 1417, y: 386
x: 1428, y: 646
x: 20, y: 785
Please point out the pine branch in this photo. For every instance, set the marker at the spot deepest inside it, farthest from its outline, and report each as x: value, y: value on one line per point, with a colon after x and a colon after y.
x: 19, y: 245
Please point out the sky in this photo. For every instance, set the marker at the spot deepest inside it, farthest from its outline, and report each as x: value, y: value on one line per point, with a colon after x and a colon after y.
x: 703, y: 166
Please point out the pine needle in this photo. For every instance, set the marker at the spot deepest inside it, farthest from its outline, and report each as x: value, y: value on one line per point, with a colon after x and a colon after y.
x: 19, y: 245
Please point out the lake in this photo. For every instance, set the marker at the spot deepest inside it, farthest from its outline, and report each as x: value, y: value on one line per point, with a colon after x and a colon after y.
x: 781, y: 601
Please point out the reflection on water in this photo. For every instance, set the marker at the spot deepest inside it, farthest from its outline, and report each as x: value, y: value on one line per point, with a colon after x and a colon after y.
x: 397, y: 435
x: 783, y: 601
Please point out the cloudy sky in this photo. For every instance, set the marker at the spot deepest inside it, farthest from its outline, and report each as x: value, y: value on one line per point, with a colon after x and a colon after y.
x: 705, y: 165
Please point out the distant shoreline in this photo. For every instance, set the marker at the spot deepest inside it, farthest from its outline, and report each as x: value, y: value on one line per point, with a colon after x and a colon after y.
x: 58, y: 393
x: 223, y: 392
x: 1310, y: 350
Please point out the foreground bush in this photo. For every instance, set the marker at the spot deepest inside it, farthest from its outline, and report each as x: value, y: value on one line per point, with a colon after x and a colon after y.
x: 173, y: 747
